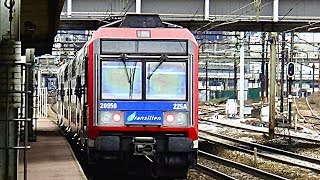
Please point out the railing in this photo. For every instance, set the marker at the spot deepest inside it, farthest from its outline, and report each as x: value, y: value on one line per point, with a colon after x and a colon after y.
x: 43, y: 103
x: 17, y: 119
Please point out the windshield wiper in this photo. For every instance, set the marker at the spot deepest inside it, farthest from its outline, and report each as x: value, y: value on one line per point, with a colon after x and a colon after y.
x: 130, y: 77
x: 163, y: 58
x: 123, y: 58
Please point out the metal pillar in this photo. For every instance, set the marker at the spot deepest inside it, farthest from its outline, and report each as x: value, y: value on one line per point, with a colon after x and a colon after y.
x: 319, y: 79
x: 267, y: 82
x: 289, y: 102
x: 283, y: 45
x: 206, y: 9
x: 207, y: 83
x: 241, y: 85
x: 267, y: 74
x: 235, y: 87
x: 138, y: 6
x: 262, y: 76
x: 290, y: 81
x: 69, y: 8
x: 273, y: 59
x: 300, y: 83
x: 313, y: 67
x: 275, y: 10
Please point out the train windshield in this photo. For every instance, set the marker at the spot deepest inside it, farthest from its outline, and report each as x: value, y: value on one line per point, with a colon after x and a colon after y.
x: 167, y: 82
x: 164, y: 80
x: 121, y: 80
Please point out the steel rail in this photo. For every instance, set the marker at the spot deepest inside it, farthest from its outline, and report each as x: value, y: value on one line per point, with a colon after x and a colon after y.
x: 266, y: 148
x: 298, y: 111
x: 313, y: 113
x: 212, y: 172
x: 239, y: 166
x: 260, y: 154
x: 260, y: 131
x: 314, y: 116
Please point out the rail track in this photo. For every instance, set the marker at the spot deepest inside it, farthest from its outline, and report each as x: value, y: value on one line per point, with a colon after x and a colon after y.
x: 305, y: 163
x: 242, y: 167
x: 313, y: 119
x: 312, y: 112
x: 264, y: 151
x: 206, y: 116
x: 212, y: 172
x: 258, y: 131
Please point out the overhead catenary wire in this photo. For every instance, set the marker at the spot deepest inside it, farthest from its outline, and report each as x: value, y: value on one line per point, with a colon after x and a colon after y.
x: 297, y: 2
x: 234, y: 19
x: 224, y: 16
x: 230, y: 20
x: 300, y: 27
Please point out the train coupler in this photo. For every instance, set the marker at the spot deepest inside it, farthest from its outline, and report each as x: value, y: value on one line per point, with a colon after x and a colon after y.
x: 144, y: 146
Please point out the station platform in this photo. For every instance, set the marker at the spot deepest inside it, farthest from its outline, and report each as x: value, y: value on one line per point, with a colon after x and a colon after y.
x: 50, y: 157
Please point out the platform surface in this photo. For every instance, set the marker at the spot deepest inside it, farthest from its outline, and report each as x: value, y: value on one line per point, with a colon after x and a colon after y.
x: 50, y: 157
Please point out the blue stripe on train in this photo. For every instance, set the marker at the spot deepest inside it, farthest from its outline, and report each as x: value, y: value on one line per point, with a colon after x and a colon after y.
x: 143, y: 105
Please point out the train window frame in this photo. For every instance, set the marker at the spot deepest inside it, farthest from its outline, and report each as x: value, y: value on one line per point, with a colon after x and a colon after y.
x: 138, y: 42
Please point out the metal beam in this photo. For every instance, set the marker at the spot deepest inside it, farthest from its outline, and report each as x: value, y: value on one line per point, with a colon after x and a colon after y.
x: 206, y: 9
x: 275, y: 10
x: 138, y: 6
x: 242, y: 82
x: 69, y: 8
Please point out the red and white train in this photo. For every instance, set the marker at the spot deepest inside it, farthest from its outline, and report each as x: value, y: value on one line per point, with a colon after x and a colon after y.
x: 131, y: 95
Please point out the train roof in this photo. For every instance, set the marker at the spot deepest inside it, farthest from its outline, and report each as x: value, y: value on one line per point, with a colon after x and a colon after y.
x: 141, y: 21
x: 131, y: 23
x: 131, y: 33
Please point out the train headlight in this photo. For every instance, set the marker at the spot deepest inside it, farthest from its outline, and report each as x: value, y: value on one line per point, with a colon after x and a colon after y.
x: 111, y: 118
x: 169, y: 117
x: 105, y: 117
x: 116, y: 117
x: 175, y: 119
x: 181, y: 118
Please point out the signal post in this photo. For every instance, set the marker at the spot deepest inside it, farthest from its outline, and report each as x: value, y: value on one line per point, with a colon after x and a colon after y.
x: 290, y: 74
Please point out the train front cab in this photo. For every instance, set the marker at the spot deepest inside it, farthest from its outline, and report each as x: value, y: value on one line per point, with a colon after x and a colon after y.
x: 144, y: 103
